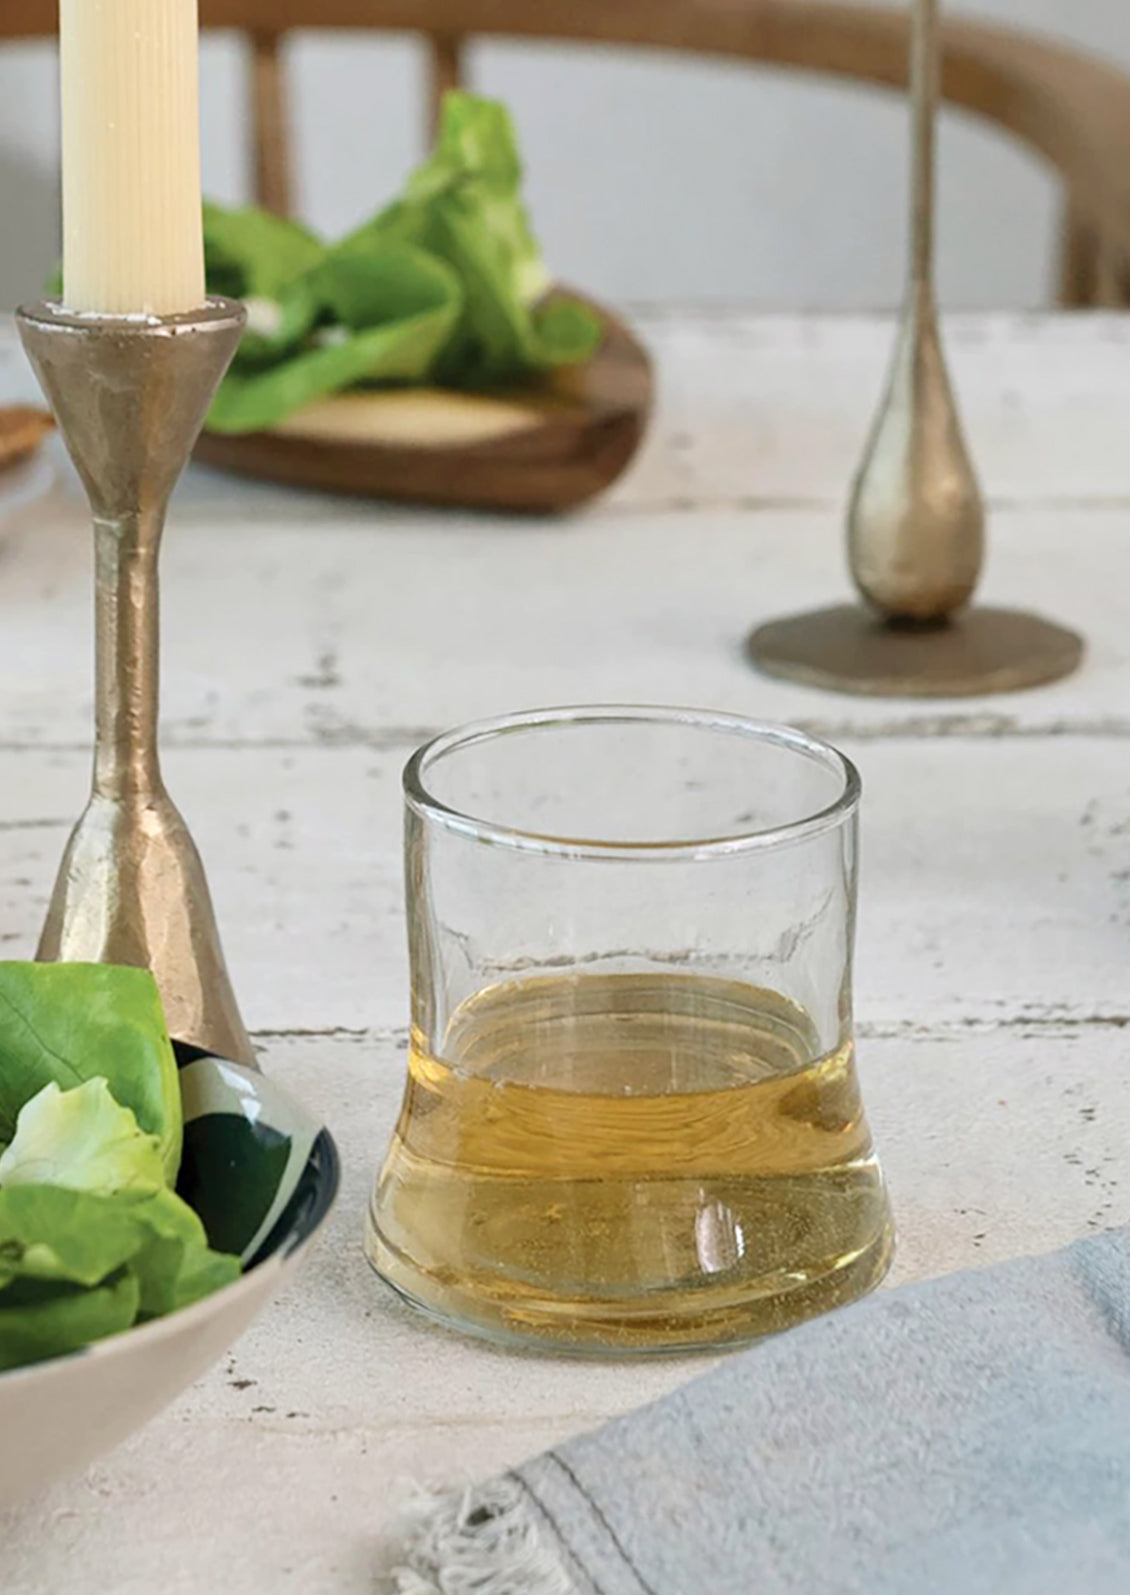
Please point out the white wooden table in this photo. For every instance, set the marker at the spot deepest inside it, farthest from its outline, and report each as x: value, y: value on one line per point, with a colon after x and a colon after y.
x: 309, y: 644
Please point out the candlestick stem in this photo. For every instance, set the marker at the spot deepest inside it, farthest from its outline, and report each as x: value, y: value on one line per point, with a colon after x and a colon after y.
x: 126, y: 760
x: 925, y: 88
x: 130, y: 395
x: 916, y: 521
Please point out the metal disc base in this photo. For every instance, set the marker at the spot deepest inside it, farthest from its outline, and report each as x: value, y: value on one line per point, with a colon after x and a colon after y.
x: 849, y: 649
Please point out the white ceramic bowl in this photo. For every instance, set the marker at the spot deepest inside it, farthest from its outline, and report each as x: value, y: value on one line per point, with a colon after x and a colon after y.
x: 262, y: 1174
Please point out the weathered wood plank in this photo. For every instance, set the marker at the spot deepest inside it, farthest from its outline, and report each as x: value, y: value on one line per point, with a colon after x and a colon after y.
x: 367, y: 626
x: 996, y: 884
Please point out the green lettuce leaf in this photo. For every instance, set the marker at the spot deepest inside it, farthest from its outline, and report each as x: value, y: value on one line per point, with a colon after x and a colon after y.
x: 82, y: 1194
x: 65, y: 1024
x: 92, y: 1237
x: 50, y: 1233
x: 251, y: 254
x: 39, y: 1320
x: 476, y: 153
x: 262, y: 259
x: 568, y: 332
x: 175, y: 1265
x: 66, y: 1242
x: 447, y: 285
x: 464, y: 205
x: 83, y: 1140
x: 395, y: 307
x: 370, y: 283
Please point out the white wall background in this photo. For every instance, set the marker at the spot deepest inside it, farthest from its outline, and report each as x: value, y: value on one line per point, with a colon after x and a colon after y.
x: 650, y: 178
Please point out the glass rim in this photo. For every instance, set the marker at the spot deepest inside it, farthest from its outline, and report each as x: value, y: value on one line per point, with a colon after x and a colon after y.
x: 481, y: 828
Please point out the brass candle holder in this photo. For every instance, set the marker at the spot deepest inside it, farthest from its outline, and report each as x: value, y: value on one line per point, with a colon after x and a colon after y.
x: 130, y: 395
x: 916, y: 520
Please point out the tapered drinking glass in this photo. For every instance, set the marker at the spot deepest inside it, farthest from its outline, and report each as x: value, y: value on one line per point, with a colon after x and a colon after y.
x: 632, y: 1119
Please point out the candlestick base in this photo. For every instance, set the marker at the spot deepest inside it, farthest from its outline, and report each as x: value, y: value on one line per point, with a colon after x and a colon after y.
x: 131, y: 889
x: 850, y: 649
x: 130, y: 395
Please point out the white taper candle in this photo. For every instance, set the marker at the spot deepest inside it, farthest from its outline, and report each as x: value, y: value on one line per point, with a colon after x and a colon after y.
x: 132, y: 235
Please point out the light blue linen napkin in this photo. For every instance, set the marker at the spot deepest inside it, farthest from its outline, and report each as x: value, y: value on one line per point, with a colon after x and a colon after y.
x: 970, y: 1436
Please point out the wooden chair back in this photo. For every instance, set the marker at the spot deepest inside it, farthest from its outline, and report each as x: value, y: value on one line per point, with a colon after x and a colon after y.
x: 1070, y: 108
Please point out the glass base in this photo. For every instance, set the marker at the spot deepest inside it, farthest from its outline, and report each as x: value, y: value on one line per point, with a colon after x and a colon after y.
x: 630, y: 1162
x: 711, y: 1314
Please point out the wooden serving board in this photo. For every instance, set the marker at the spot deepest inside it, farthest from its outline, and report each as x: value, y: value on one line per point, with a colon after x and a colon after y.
x: 538, y: 449
x: 22, y: 429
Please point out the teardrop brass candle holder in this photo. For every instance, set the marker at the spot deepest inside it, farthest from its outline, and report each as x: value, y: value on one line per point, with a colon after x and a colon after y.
x: 130, y: 395
x: 916, y: 521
